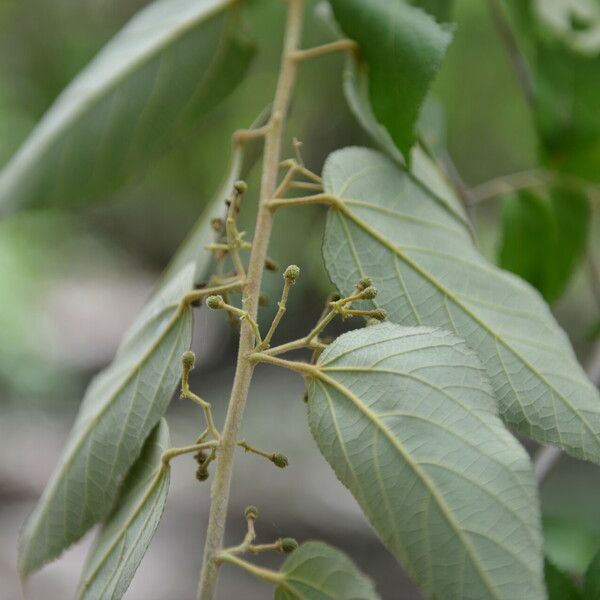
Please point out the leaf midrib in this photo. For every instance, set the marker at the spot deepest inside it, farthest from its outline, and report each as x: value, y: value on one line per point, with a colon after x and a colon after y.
x: 341, y: 208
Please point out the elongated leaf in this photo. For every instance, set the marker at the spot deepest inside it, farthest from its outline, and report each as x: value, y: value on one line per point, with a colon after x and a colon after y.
x: 127, y: 533
x: 172, y: 62
x: 592, y: 579
x: 192, y: 249
x: 428, y: 271
x: 407, y: 419
x: 559, y: 585
x: 403, y: 48
x: 544, y: 236
x: 316, y: 571
x: 121, y: 407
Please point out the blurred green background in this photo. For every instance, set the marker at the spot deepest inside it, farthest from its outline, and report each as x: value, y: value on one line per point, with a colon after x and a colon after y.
x: 71, y: 282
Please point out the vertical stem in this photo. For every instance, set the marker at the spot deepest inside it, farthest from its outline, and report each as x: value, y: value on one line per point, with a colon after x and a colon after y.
x: 243, y: 376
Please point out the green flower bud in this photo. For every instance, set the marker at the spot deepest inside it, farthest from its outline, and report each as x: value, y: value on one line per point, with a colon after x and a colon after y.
x: 364, y: 283
x: 241, y: 187
x: 188, y: 360
x: 288, y: 545
x: 263, y: 300
x: 215, y: 302
x: 292, y: 273
x: 251, y: 512
x: 369, y: 293
x: 271, y: 265
x: 379, y: 314
x: 280, y: 461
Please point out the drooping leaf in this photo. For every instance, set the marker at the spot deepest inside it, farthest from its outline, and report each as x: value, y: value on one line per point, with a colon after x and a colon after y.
x: 174, y: 61
x: 127, y: 533
x: 403, y: 48
x: 316, y: 571
x: 544, y: 236
x: 591, y: 588
x: 429, y: 272
x: 121, y: 407
x: 192, y: 249
x: 407, y: 419
x: 559, y: 585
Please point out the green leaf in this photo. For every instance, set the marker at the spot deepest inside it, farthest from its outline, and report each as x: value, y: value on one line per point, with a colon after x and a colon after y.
x: 440, y: 9
x: 243, y: 158
x: 173, y: 62
x: 544, y: 237
x: 429, y: 272
x: 121, y: 407
x: 403, y: 48
x: 316, y: 571
x: 127, y: 533
x: 407, y: 420
x: 591, y: 589
x: 559, y: 585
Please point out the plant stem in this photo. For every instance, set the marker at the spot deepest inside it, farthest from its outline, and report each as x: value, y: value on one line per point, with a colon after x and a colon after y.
x: 243, y: 376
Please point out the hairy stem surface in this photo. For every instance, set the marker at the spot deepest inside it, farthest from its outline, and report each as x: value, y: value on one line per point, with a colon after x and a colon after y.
x: 243, y: 376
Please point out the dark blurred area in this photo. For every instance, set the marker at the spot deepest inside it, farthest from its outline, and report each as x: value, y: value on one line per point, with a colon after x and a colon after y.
x: 71, y: 282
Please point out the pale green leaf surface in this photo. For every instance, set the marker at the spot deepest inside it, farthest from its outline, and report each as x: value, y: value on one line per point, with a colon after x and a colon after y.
x: 127, y: 533
x: 403, y: 47
x: 175, y: 60
x: 121, y: 406
x: 316, y: 571
x: 429, y: 272
x: 407, y: 419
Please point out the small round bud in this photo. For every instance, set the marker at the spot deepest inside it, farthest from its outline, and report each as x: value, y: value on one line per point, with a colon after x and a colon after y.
x: 271, y: 265
x: 188, y: 360
x: 202, y: 473
x: 241, y: 187
x: 288, y: 545
x: 369, y: 293
x: 214, y: 302
x: 251, y: 512
x: 364, y: 283
x: 279, y: 460
x: 200, y: 457
x: 217, y: 224
x: 292, y: 273
x: 263, y: 300
x: 379, y: 314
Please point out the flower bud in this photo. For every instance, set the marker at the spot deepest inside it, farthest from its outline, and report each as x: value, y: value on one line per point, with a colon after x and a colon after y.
x: 240, y: 187
x: 215, y: 302
x: 369, y: 293
x: 263, y: 300
x: 279, y: 460
x: 251, y: 512
x: 364, y: 283
x: 271, y: 265
x: 202, y: 473
x: 188, y: 360
x: 288, y: 545
x: 292, y: 273
x: 380, y: 314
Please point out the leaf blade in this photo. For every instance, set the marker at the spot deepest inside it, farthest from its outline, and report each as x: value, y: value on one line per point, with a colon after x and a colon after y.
x: 404, y: 48
x: 407, y: 457
x: 429, y: 273
x: 316, y: 571
x: 127, y: 533
x: 121, y: 406
x: 120, y: 111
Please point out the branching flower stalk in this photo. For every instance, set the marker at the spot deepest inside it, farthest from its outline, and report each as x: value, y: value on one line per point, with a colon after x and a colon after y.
x: 272, y: 156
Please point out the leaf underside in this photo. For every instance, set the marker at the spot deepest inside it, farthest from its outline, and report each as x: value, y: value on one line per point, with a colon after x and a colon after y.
x: 173, y: 62
x: 316, y: 571
x: 127, y: 533
x: 406, y: 418
x: 428, y: 271
x: 121, y: 407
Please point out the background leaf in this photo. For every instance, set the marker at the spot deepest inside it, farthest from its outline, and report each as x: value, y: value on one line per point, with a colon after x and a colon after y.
x: 559, y: 585
x: 544, y: 237
x: 121, y: 406
x: 403, y: 48
x: 406, y: 418
x: 592, y: 579
x: 316, y: 571
x: 428, y: 271
x: 127, y: 533
x: 170, y: 64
